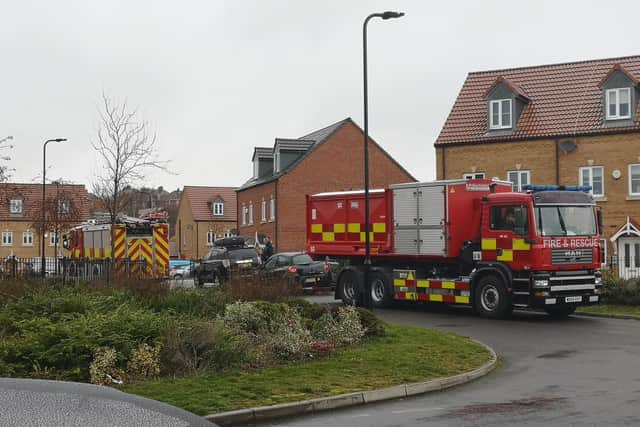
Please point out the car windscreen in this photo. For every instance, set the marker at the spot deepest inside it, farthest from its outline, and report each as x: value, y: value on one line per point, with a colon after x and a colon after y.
x: 301, y: 259
x: 565, y: 220
x: 242, y: 254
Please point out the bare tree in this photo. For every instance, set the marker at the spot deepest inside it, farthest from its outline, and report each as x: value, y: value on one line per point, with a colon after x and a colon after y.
x: 127, y: 149
x: 4, y: 169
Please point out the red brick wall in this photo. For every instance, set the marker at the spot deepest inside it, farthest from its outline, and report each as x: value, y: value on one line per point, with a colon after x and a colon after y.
x: 335, y: 165
x: 255, y: 195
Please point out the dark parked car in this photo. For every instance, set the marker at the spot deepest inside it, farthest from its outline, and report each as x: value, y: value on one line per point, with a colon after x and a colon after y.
x: 300, y: 267
x: 222, y: 262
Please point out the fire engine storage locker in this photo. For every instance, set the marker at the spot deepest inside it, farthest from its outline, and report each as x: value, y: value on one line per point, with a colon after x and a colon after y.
x: 436, y: 218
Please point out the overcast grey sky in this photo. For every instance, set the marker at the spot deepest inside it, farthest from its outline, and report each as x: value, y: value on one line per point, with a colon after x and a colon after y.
x: 216, y: 78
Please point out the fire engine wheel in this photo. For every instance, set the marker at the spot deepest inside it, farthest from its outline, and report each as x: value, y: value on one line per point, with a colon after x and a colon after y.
x: 381, y: 295
x: 560, y: 312
x: 349, y: 286
x: 491, y: 298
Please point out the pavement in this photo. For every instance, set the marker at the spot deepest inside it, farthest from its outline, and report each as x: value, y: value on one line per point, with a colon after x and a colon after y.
x: 25, y: 402
x: 581, y: 371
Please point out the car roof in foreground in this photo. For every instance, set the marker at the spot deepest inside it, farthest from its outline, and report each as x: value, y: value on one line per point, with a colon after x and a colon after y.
x: 57, y: 403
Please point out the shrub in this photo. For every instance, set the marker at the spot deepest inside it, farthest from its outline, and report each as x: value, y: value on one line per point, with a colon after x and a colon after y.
x: 321, y: 348
x: 201, y: 303
x: 245, y: 317
x: 620, y: 291
x: 343, y: 329
x: 372, y: 325
x: 261, y: 288
x: 307, y: 309
x: 289, y: 339
x: 144, y: 363
x: 202, y: 346
x: 103, y: 370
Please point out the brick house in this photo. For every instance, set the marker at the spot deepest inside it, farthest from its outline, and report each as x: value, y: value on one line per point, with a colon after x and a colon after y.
x: 273, y: 201
x: 561, y: 124
x: 204, y: 215
x: 21, y: 216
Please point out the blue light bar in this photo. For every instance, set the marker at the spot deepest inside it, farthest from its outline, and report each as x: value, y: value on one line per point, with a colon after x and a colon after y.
x: 534, y: 188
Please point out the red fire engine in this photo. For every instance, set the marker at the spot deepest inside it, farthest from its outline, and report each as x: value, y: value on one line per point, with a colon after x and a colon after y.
x: 464, y: 242
x: 142, y: 241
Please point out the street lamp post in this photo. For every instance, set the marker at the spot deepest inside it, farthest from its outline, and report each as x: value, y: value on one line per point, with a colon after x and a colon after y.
x: 366, y: 294
x: 44, y: 174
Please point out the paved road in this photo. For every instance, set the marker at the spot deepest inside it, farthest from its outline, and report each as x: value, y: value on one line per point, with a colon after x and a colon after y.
x: 580, y: 371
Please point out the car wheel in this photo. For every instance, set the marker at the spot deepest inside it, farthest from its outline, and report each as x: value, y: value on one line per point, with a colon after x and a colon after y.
x: 381, y: 292
x: 560, y: 312
x: 349, y: 286
x: 491, y: 298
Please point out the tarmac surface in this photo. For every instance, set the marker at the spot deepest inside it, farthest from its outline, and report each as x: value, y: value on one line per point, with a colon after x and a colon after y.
x: 580, y: 371
x: 25, y: 402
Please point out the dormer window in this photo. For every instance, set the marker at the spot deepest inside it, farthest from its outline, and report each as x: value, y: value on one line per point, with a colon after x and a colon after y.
x: 500, y: 114
x: 218, y: 208
x: 15, y: 206
x: 618, y: 103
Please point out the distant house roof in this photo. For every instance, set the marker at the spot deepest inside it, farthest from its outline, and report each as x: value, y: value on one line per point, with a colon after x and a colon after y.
x: 201, y: 198
x: 564, y: 100
x: 309, y: 142
x: 31, y: 195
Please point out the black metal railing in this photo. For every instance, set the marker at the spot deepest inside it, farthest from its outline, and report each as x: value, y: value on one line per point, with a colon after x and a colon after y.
x: 76, y: 270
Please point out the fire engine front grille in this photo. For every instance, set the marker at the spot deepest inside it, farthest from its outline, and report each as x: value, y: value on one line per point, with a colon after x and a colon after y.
x: 571, y: 256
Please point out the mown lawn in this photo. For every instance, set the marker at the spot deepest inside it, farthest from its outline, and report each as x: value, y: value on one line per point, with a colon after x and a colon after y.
x: 406, y: 354
x: 627, y: 310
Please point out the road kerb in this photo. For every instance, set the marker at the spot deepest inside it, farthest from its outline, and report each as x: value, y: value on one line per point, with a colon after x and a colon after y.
x: 609, y: 316
x: 352, y: 399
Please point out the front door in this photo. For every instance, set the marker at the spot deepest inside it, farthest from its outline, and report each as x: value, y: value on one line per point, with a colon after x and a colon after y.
x: 629, y: 257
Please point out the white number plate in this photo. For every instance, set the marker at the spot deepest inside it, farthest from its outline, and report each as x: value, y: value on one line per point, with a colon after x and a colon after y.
x: 573, y: 299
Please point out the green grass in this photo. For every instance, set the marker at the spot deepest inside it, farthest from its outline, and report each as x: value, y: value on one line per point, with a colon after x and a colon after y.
x: 406, y: 354
x: 628, y: 310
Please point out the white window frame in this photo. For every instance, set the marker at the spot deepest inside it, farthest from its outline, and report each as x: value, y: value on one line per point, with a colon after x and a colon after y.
x: 16, y: 206
x: 251, y: 213
x: 244, y: 214
x: 517, y: 186
x: 500, y: 125
x: 263, y: 211
x: 630, y: 178
x: 211, y: 237
x: 53, y: 236
x: 617, y: 115
x: 590, y: 169
x: 276, y: 161
x: 64, y: 206
x: 27, y: 238
x: 7, y: 238
x: 256, y: 168
x: 272, y: 209
x: 473, y: 175
x: 218, y: 208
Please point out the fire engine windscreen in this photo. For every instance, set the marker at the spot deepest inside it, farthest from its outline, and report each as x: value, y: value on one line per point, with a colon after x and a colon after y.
x: 565, y: 220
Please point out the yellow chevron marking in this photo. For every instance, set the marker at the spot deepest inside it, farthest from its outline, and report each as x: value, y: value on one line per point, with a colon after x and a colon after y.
x: 328, y: 237
x: 488, y: 244
x: 339, y: 228
x: 423, y: 283
x: 507, y: 255
x: 410, y: 276
x: 411, y: 296
x: 520, y: 245
x: 363, y: 236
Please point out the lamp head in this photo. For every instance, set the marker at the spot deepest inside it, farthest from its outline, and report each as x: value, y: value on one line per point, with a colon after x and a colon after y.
x: 391, y: 15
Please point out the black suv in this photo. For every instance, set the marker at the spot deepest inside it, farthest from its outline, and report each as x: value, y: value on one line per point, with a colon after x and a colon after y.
x: 223, y: 261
